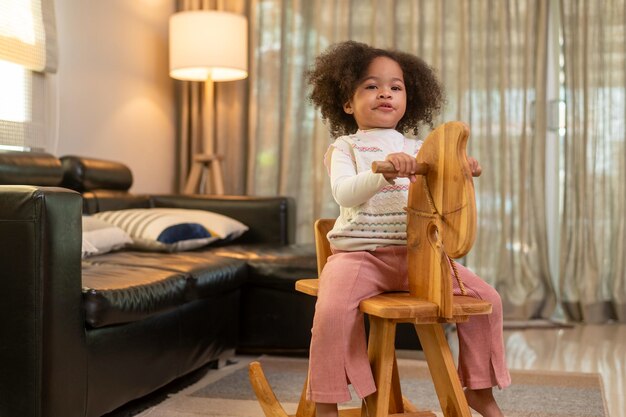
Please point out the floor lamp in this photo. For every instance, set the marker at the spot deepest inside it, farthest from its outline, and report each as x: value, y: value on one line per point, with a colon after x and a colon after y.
x: 209, y: 46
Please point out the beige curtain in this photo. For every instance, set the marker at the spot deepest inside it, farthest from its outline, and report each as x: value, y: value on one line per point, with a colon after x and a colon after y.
x: 491, y: 56
x: 231, y: 115
x: 593, y: 237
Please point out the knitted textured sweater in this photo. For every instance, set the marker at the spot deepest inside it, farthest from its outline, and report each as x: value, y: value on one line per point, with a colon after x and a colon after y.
x: 371, y: 209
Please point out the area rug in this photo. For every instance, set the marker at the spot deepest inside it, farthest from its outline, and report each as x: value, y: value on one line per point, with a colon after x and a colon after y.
x: 227, y: 392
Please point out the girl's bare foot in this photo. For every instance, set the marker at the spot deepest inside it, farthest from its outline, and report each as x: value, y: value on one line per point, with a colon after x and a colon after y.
x: 326, y: 410
x: 483, y: 402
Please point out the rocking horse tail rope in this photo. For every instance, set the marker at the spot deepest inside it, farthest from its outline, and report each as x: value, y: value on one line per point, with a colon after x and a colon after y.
x: 433, y: 213
x: 455, y: 271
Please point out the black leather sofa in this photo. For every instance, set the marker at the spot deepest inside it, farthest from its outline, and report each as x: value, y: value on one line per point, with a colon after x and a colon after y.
x: 81, y: 337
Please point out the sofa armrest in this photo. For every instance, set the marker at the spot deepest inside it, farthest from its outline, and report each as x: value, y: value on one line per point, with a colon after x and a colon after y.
x: 271, y: 220
x: 41, y: 321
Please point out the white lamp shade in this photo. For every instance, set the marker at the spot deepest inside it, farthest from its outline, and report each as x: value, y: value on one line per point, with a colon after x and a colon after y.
x: 208, y: 45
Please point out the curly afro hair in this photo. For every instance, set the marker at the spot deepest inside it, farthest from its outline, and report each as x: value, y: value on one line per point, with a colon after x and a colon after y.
x: 338, y: 71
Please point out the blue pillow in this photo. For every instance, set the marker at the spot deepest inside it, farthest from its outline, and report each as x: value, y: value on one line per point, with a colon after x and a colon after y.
x: 183, y: 231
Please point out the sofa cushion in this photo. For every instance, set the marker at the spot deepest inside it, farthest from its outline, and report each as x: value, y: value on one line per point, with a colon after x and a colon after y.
x: 207, y: 274
x: 29, y: 168
x: 114, y: 294
x: 105, y: 200
x: 87, y: 174
x: 126, y: 286
x: 173, y: 230
x: 273, y: 266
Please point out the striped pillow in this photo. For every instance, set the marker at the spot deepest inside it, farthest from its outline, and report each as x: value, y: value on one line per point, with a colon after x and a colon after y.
x: 173, y: 230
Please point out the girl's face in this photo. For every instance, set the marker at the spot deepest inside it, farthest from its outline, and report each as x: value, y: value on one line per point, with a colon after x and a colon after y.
x: 379, y: 100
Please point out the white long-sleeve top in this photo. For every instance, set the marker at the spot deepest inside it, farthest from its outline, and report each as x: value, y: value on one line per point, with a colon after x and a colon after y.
x: 371, y: 210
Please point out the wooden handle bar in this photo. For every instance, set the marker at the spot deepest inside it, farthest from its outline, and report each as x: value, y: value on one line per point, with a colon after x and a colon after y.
x: 382, y: 167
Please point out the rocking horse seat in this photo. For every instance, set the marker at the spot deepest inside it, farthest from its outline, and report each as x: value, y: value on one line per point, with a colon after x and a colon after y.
x: 404, y: 308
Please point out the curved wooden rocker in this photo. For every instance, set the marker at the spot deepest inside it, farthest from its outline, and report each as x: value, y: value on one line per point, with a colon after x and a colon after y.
x: 441, y: 225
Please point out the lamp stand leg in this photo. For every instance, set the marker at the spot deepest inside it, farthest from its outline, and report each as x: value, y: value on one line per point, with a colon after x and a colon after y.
x: 193, y: 181
x: 209, y: 167
x: 207, y: 164
x: 216, y: 173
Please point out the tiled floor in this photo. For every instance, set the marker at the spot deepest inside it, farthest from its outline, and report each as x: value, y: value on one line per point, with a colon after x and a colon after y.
x: 581, y: 348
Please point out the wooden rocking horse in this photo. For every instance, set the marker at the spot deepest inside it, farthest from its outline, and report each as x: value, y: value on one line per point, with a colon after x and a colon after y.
x: 441, y: 225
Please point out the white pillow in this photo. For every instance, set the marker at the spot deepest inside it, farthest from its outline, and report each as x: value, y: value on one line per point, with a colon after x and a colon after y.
x: 172, y: 230
x: 88, y: 249
x: 101, y: 237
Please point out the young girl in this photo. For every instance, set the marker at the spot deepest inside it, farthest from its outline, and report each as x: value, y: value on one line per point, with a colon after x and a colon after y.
x: 370, y: 96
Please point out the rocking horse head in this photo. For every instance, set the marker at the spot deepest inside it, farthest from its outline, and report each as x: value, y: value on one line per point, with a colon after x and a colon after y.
x: 447, y: 189
x: 441, y: 210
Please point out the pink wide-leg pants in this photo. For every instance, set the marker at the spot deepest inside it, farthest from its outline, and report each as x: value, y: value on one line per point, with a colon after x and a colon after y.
x: 338, y: 354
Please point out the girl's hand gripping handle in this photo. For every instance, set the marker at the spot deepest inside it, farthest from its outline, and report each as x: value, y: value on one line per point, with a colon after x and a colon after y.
x: 384, y: 167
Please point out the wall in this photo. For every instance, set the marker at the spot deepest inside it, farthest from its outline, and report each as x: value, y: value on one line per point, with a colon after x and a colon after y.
x: 115, y: 99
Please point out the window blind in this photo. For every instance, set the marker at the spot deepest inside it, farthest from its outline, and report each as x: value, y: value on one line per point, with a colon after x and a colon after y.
x: 28, y: 34
x: 27, y: 51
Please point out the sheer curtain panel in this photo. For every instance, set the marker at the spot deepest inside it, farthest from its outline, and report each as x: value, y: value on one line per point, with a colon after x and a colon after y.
x: 593, y: 233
